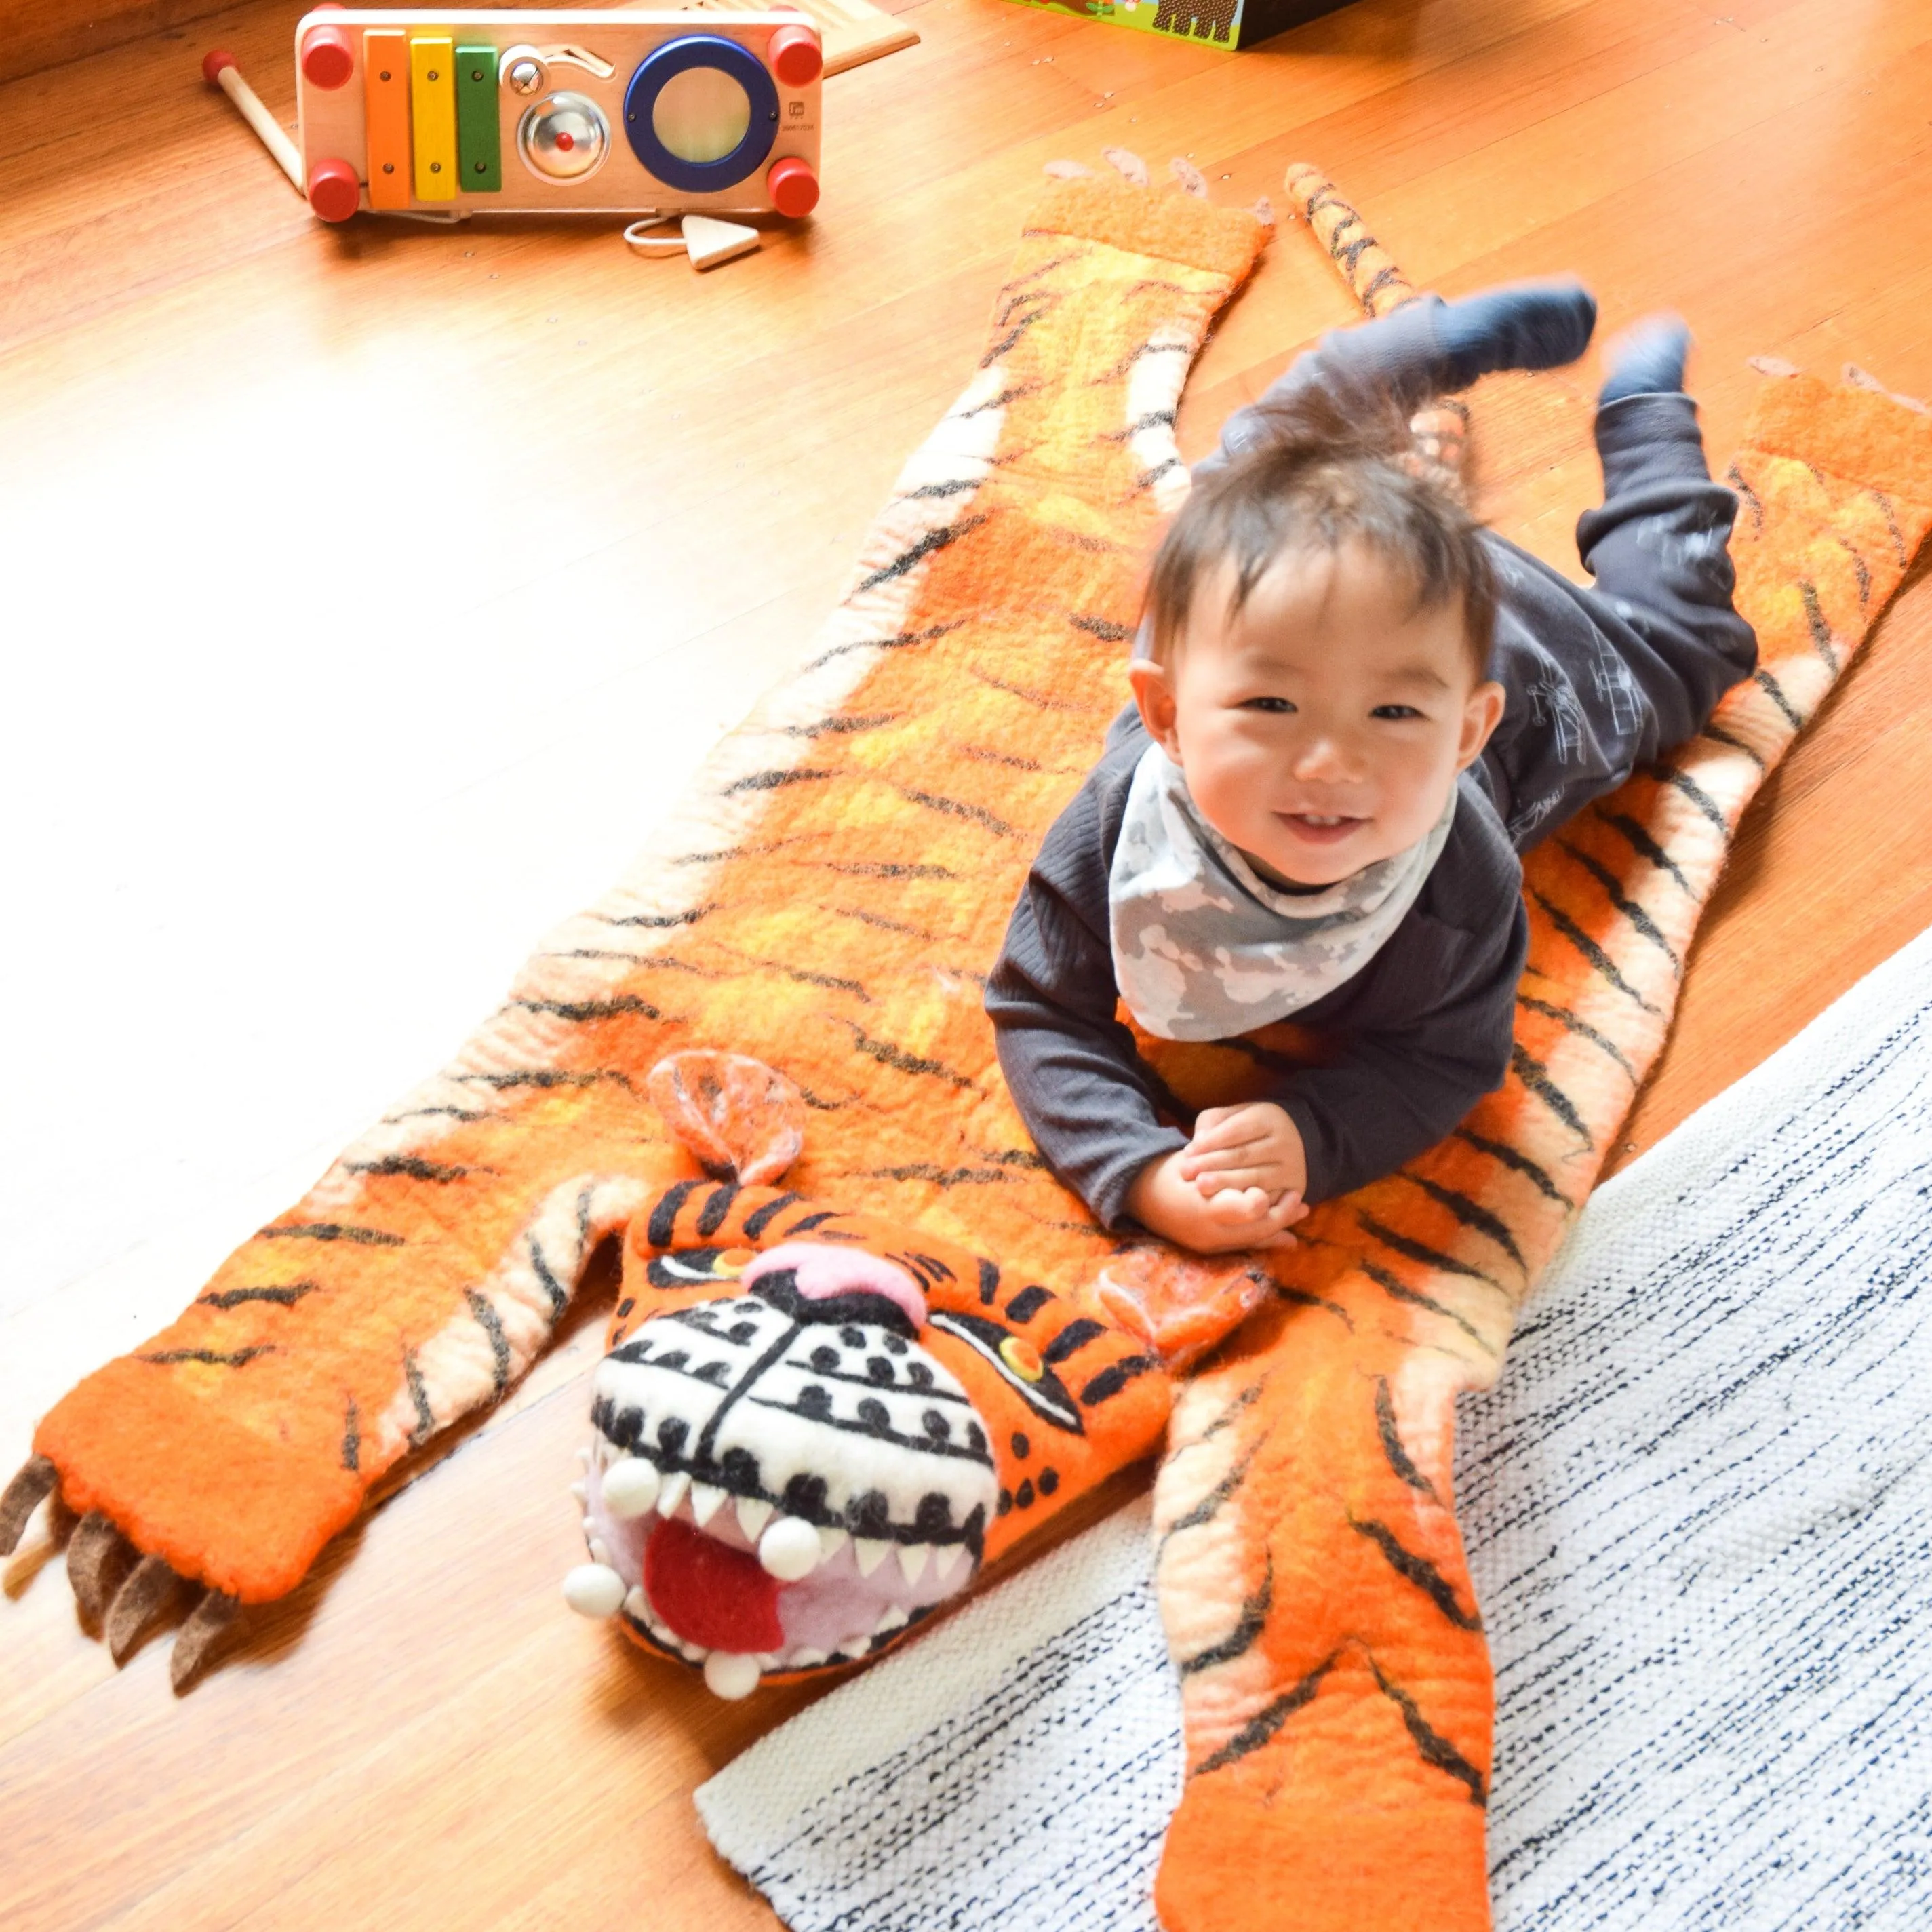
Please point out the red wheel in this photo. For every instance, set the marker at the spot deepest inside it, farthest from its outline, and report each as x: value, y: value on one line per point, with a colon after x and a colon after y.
x: 793, y: 186
x: 335, y: 190
x: 795, y: 56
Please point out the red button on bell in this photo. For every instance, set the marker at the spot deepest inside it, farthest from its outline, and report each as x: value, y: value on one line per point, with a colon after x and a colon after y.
x: 335, y: 190
x: 792, y: 186
x: 795, y: 55
x: 327, y: 60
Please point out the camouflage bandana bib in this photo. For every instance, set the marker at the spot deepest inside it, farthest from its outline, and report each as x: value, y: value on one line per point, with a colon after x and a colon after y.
x: 1205, y: 949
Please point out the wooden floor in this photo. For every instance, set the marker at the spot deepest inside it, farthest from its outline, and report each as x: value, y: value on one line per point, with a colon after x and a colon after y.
x: 368, y: 593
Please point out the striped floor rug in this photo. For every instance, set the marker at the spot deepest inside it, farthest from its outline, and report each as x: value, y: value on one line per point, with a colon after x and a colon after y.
x: 1698, y: 1512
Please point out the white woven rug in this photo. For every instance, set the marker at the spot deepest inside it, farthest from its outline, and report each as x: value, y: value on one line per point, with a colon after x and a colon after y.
x: 1699, y: 1510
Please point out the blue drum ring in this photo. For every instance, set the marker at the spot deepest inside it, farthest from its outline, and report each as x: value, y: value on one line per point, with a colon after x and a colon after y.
x: 678, y: 56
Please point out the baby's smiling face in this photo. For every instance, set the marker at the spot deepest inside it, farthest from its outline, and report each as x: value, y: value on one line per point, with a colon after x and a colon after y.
x: 1322, y: 726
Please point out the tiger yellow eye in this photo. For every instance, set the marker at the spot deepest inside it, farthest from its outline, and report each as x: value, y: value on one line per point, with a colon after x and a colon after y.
x: 1022, y: 1358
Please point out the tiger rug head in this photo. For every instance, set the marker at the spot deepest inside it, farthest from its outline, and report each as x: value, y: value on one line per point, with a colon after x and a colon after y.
x: 813, y: 1428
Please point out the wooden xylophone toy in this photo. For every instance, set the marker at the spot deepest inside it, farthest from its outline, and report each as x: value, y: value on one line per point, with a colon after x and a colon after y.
x: 557, y: 112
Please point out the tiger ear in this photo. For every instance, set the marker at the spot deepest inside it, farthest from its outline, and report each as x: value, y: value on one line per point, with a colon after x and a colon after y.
x: 1178, y: 1305
x: 744, y: 1121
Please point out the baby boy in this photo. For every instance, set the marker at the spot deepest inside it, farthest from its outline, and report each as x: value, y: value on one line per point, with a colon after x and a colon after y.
x: 1354, y: 708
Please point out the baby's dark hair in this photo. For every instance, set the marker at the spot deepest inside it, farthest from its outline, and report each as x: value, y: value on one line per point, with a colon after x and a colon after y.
x: 1323, y: 468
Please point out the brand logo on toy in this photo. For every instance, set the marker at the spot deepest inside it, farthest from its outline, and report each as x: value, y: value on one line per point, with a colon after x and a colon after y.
x: 557, y: 112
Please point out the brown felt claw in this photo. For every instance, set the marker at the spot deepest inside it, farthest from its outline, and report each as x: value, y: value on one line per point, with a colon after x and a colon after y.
x: 1179, y: 1305
x: 1067, y: 171
x: 208, y: 1626
x: 1191, y: 180
x: 1129, y: 163
x: 740, y: 1117
x: 98, y: 1557
x: 34, y: 1480
x: 151, y: 1591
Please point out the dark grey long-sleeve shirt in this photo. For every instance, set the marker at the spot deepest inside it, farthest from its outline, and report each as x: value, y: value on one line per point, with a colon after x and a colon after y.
x: 1596, y: 681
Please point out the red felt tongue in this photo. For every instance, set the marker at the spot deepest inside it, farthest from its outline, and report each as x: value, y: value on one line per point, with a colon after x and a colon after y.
x: 711, y: 1593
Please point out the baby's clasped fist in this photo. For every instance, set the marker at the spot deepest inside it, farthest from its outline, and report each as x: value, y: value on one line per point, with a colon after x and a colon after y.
x: 1256, y: 1145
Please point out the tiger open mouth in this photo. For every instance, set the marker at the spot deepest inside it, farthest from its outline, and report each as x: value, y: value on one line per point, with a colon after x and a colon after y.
x: 783, y: 1481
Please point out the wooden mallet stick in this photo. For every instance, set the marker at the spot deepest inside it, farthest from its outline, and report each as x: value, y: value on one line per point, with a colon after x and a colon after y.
x: 219, y: 70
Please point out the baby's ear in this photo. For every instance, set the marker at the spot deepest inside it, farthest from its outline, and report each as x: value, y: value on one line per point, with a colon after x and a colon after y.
x: 1153, y: 694
x: 1480, y: 716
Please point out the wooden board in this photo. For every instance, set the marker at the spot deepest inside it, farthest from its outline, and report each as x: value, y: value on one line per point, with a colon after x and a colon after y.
x: 293, y: 790
x: 853, y: 30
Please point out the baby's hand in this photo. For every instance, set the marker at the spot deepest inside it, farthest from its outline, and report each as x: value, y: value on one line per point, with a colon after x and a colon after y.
x: 1244, y: 1148
x: 1176, y: 1207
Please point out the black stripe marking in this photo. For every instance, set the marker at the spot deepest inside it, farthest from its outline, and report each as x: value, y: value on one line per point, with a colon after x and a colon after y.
x: 1718, y: 735
x: 1239, y: 1641
x: 282, y: 1297
x: 880, y: 920
x: 1898, y: 549
x: 940, y: 1177
x: 1606, y: 966
x: 1623, y: 903
x: 1471, y: 1214
x: 805, y: 1223
x: 887, y: 1054
x: 759, y: 1218
x: 989, y: 1282
x: 956, y: 808
x: 546, y: 1076
x: 1421, y: 1251
x: 843, y: 725
x: 1393, y: 1284
x: 981, y: 756
x: 902, y: 640
x: 878, y: 869
x: 664, y: 1215
x: 1517, y: 1163
x: 1642, y: 844
x: 1535, y: 1076
x: 1434, y: 1748
x: 409, y: 1166
x: 1735, y: 477
x: 1416, y: 1570
x: 1153, y: 419
x: 1772, y: 689
x: 1109, y: 1382
x: 1383, y: 278
x: 1669, y: 774
x: 1569, y: 1021
x: 1073, y: 1337
x: 1025, y: 1305
x: 1392, y: 1448
x: 658, y: 921
x: 419, y: 1396
x: 352, y: 1438
x: 330, y: 1230
x: 1262, y: 1726
x: 1013, y: 335
x: 933, y: 540
x: 1148, y: 478
x: 1862, y: 571
x: 620, y: 1006
x: 554, y: 1291
x: 1209, y: 1507
x: 1045, y: 700
x: 491, y: 1323
x: 775, y: 780
x: 1246, y: 1399
x: 1105, y: 628
x: 711, y: 1215
x: 218, y: 1358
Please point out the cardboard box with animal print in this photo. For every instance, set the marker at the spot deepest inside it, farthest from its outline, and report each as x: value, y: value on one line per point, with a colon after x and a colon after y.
x: 1221, y: 23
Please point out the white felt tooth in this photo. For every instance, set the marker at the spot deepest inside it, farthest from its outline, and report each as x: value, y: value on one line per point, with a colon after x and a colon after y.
x: 766, y: 1660
x: 590, y: 1526
x: 583, y: 1458
x: 870, y: 1553
x: 672, y: 1493
x: 593, y: 1590
x: 600, y: 1550
x: 730, y: 1674
x: 580, y: 1489
x: 694, y: 1653
x: 893, y: 1617
x: 912, y: 1560
x: 830, y: 1542
x: 805, y: 1660
x: 638, y: 1605
x: 630, y: 1488
x: 754, y: 1513
x: 704, y: 1502
x: 789, y: 1549
x: 946, y: 1559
